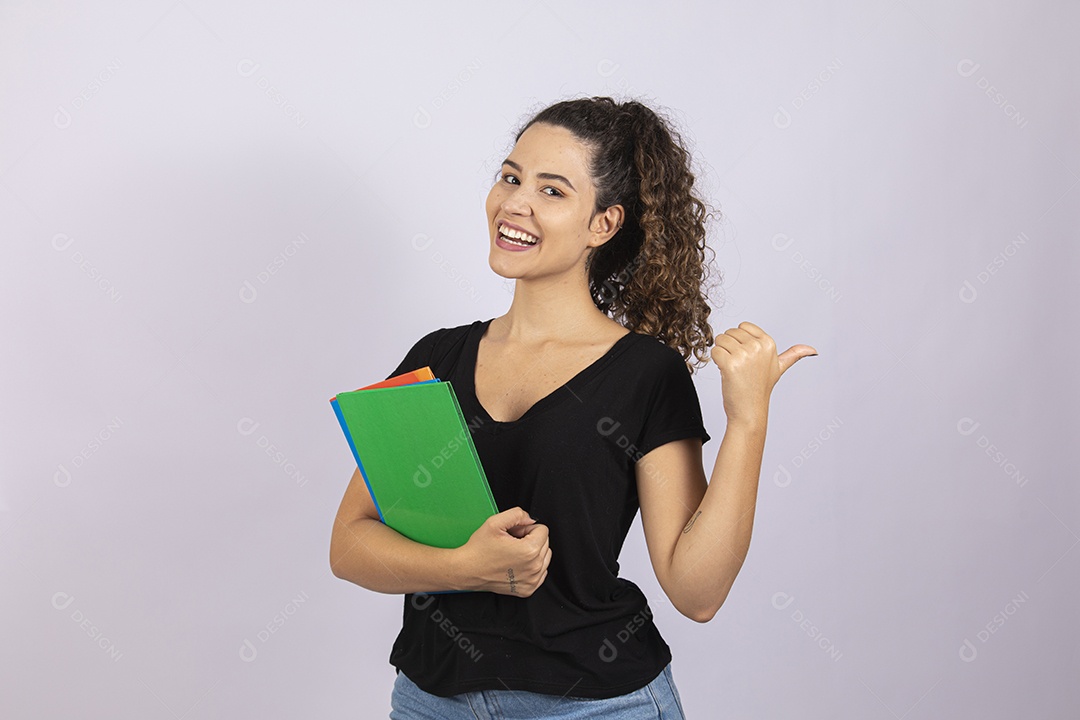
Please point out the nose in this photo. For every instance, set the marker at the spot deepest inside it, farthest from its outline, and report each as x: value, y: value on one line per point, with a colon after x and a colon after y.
x: 516, y: 203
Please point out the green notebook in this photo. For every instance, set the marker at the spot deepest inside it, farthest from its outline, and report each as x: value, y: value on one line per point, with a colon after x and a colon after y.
x: 415, y: 451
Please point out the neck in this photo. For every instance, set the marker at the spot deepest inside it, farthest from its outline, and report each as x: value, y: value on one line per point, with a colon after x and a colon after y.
x: 550, y: 309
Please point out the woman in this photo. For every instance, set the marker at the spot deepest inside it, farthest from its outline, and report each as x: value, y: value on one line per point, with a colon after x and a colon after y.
x: 582, y: 409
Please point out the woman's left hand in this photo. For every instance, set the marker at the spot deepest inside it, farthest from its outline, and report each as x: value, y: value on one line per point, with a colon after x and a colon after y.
x: 749, y: 368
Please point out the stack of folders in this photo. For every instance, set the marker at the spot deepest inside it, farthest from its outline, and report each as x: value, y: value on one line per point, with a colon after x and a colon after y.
x: 416, y: 453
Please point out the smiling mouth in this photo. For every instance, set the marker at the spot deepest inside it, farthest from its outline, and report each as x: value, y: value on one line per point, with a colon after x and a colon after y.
x: 517, y: 237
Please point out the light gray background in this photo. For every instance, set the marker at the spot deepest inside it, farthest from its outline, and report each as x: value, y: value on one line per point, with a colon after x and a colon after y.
x: 215, y: 218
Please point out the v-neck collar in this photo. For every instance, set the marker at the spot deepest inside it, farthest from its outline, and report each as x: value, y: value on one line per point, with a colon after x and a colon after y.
x: 554, y: 397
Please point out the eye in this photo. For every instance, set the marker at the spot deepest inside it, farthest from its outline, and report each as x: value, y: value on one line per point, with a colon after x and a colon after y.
x: 557, y: 193
x: 506, y: 177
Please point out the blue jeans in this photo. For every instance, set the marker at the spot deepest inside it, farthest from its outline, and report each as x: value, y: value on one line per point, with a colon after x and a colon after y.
x: 659, y: 700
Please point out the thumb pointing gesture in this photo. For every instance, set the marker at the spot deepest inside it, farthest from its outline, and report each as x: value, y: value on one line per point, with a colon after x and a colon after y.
x: 792, y: 355
x: 750, y: 367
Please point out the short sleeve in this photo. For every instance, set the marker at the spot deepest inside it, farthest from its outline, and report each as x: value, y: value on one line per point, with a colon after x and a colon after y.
x: 421, y: 354
x: 673, y: 411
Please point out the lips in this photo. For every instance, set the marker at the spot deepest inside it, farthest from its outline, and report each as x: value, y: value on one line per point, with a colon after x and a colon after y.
x: 517, y: 235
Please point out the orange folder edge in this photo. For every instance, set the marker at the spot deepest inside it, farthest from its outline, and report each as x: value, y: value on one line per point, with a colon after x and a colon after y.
x: 421, y: 375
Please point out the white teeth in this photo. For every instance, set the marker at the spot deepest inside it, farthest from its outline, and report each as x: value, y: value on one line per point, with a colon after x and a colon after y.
x: 523, y: 238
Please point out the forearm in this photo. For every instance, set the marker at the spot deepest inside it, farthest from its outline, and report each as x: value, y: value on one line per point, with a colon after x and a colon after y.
x: 370, y: 554
x: 712, y: 547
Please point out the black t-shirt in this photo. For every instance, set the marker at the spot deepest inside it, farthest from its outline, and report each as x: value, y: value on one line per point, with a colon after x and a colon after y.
x: 569, y: 462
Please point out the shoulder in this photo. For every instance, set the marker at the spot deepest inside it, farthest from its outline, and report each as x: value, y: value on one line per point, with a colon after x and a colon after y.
x: 661, y: 373
x: 654, y: 354
x: 437, y: 343
x: 444, y: 335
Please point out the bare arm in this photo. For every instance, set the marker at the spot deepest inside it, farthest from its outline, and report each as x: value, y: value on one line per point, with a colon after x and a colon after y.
x: 509, y: 554
x: 366, y: 552
x: 698, y: 534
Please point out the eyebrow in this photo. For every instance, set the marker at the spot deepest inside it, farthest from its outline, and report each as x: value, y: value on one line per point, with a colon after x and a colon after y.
x: 542, y: 175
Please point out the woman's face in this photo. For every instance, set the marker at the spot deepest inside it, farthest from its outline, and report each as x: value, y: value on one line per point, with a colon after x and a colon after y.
x: 544, y: 190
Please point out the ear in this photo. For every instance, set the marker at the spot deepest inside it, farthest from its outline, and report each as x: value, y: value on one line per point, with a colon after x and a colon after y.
x: 604, y: 225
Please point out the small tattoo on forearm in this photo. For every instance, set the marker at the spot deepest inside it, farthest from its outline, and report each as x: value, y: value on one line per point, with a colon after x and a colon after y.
x: 690, y: 524
x: 513, y: 582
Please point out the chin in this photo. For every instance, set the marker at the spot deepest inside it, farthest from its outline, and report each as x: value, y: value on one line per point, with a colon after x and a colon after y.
x: 501, y: 272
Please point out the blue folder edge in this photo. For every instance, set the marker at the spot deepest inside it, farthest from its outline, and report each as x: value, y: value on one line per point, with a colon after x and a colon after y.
x: 360, y: 466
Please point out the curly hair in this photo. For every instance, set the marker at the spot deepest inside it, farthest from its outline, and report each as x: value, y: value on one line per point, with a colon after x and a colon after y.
x: 650, y: 277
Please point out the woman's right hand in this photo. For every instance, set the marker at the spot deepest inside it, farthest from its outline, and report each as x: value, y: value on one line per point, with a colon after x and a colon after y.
x: 508, y: 554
